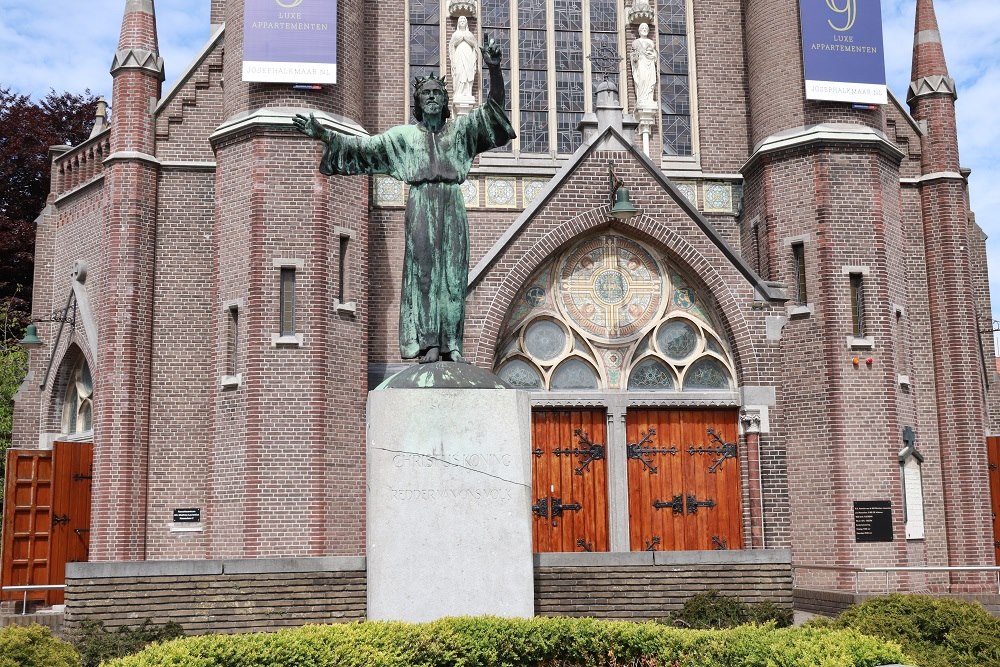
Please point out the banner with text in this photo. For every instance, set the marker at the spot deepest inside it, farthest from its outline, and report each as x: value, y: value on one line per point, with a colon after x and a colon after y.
x: 842, y: 50
x: 290, y: 41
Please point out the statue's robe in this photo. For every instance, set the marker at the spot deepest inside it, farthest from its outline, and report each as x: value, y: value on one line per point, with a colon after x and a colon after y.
x: 436, y: 255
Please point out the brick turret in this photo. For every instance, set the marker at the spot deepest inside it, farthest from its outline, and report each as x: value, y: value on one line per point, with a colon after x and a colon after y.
x: 821, y: 201
x: 952, y: 305
x: 285, y: 235
x: 125, y: 307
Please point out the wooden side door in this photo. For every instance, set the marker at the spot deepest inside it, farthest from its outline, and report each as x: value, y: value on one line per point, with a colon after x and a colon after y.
x: 569, y: 480
x: 993, y: 457
x: 27, y: 522
x: 71, y: 484
x: 683, y: 479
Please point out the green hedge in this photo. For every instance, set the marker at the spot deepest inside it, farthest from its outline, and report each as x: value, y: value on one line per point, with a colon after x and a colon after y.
x: 96, y: 644
x: 538, y: 642
x: 713, y: 611
x: 34, y: 646
x: 936, y: 632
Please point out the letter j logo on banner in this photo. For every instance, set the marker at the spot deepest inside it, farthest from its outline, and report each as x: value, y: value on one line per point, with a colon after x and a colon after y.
x: 850, y: 11
x: 842, y: 51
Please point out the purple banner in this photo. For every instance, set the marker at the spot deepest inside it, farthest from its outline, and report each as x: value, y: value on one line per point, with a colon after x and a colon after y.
x: 842, y: 50
x: 290, y: 41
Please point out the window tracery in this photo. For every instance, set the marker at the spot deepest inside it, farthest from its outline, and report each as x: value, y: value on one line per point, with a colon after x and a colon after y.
x: 609, y: 314
x: 549, y: 78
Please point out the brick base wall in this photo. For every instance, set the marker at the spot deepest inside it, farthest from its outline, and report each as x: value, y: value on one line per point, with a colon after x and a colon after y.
x: 52, y: 620
x: 648, y: 585
x: 262, y: 595
x: 217, y: 596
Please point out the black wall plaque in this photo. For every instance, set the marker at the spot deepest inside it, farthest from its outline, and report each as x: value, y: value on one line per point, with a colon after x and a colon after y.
x: 873, y: 521
x: 187, y: 515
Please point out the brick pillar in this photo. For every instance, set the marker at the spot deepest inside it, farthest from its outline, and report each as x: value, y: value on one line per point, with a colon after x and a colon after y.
x: 751, y: 433
x: 125, y: 306
x: 287, y: 461
x: 951, y: 300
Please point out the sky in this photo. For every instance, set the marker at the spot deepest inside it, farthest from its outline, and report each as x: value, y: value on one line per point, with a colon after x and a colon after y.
x: 67, y: 45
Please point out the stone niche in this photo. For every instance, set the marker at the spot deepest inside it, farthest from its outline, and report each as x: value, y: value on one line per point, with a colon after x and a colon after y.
x: 449, y: 507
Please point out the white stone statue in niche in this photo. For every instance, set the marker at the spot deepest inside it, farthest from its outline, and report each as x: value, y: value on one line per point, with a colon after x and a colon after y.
x: 464, y: 62
x: 644, y: 68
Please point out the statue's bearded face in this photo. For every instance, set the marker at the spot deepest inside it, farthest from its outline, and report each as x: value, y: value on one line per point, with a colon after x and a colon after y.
x: 432, y: 98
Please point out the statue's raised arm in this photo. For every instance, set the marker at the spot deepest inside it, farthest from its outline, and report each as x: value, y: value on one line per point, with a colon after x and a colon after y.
x: 492, y: 56
x: 434, y: 157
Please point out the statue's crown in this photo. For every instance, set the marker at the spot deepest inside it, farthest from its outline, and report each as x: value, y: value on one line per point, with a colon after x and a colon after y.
x: 419, y: 81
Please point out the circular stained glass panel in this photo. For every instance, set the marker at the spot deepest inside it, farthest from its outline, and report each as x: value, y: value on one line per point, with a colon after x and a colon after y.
x: 610, y: 286
x: 677, y: 339
x: 706, y: 373
x: 574, y: 374
x: 544, y: 340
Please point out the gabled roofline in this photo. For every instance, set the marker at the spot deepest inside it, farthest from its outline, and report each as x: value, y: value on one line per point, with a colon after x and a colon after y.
x: 190, y: 70
x: 918, y: 127
x: 769, y: 291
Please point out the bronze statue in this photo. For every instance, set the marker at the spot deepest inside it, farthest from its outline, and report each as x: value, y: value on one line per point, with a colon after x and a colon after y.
x: 434, y: 158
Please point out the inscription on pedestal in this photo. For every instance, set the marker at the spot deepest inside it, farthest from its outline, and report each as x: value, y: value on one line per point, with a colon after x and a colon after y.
x: 449, y: 485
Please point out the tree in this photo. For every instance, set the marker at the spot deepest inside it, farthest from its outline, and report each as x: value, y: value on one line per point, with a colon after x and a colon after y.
x: 27, y: 130
x: 13, y: 365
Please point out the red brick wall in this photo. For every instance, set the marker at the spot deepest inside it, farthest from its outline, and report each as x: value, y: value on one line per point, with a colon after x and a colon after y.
x: 194, y: 110
x: 183, y: 378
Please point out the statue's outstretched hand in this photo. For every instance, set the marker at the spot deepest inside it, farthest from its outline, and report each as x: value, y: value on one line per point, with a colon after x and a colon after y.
x: 491, y: 52
x: 309, y: 126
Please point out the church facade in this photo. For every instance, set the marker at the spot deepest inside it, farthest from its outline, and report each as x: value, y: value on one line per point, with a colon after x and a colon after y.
x: 776, y: 351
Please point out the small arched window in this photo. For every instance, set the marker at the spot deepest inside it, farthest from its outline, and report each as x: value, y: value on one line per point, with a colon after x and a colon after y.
x: 78, y: 402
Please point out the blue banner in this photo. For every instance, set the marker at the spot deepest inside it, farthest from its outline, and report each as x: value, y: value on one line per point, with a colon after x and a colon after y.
x: 842, y: 50
x: 290, y: 41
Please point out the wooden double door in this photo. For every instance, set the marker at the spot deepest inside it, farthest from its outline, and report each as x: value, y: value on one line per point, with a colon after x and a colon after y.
x: 46, y: 519
x: 682, y: 470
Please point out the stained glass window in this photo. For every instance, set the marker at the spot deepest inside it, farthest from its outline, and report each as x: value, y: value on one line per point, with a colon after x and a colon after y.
x: 706, y: 373
x: 425, y: 37
x: 520, y: 375
x: 545, y: 340
x: 675, y: 92
x: 574, y: 374
x: 651, y: 374
x: 677, y: 340
x: 546, y: 117
x: 605, y: 324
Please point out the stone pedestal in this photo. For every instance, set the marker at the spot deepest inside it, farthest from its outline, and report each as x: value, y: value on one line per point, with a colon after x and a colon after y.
x: 449, y: 507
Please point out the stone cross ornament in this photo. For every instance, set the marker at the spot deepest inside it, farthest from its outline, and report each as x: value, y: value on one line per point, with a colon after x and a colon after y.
x: 433, y: 157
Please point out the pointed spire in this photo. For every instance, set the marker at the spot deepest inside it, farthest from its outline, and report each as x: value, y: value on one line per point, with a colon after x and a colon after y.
x: 137, y: 44
x: 930, y: 70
